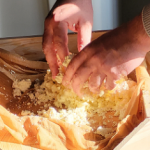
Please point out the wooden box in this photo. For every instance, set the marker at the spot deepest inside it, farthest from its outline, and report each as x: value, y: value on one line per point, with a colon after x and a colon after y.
x: 31, y: 48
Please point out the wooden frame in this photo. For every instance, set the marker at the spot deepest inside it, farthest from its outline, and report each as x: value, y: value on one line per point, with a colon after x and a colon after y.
x: 31, y: 47
x: 24, y: 45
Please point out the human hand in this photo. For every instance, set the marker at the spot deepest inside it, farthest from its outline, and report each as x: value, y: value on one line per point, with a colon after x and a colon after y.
x: 77, y: 15
x: 112, y: 55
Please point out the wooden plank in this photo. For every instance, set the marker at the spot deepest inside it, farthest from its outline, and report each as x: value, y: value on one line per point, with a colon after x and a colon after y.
x: 31, y: 47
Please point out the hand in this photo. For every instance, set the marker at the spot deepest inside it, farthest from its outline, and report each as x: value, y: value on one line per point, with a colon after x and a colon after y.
x: 112, y: 55
x: 77, y: 15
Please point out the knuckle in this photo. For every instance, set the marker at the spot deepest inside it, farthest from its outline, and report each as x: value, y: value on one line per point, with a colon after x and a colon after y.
x: 71, y: 67
x: 95, y: 63
x: 58, y: 43
x: 93, y: 85
x: 83, y: 54
x: 112, y: 72
x: 76, y: 78
x: 94, y: 82
x: 95, y: 59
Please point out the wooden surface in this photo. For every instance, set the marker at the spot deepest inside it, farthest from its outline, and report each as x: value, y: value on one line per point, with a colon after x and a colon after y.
x: 31, y: 47
x: 5, y: 90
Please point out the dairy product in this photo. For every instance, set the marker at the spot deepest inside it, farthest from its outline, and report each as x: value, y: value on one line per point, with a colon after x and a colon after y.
x: 65, y: 105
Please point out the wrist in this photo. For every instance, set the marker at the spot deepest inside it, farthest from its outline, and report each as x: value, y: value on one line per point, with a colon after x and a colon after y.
x: 138, y: 33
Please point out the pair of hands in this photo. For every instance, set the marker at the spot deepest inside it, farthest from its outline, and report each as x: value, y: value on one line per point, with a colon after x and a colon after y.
x: 112, y: 55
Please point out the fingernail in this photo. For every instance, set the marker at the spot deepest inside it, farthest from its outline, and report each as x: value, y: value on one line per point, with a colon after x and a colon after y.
x: 81, y: 47
x: 74, y: 25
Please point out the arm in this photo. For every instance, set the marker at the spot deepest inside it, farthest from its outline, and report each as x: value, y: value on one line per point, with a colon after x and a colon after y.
x: 77, y: 15
x: 112, y: 55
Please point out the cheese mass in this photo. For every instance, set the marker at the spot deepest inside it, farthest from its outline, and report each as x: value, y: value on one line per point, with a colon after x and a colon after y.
x: 65, y: 105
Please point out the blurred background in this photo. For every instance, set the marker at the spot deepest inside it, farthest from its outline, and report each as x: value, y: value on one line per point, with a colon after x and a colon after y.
x: 19, y: 18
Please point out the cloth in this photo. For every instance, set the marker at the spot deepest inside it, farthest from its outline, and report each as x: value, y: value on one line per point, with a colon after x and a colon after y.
x: 34, y: 133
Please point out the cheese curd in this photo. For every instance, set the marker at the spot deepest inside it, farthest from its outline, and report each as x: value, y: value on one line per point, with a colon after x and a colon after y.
x: 65, y: 105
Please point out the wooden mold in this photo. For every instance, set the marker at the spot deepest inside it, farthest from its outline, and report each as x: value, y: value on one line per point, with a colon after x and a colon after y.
x: 31, y: 48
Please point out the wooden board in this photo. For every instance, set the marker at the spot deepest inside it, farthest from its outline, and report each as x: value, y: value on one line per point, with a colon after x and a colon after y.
x: 31, y: 47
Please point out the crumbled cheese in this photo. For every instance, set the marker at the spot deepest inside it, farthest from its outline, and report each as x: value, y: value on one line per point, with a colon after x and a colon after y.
x: 72, y: 109
x: 21, y: 86
x: 104, y: 123
x: 26, y: 112
x: 16, y: 92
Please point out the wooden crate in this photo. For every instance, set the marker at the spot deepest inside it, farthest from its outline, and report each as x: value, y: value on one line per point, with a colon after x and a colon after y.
x: 31, y: 48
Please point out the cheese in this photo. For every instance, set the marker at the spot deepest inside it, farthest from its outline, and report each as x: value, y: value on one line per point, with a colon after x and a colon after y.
x: 20, y: 86
x: 65, y: 105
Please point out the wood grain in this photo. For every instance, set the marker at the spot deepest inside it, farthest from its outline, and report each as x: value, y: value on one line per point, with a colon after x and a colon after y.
x: 31, y: 47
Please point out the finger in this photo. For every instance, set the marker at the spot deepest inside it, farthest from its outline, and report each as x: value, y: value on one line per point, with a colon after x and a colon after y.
x: 60, y: 39
x: 110, y: 83
x: 84, y: 34
x: 49, y: 52
x: 64, y: 12
x: 95, y: 82
x: 79, y: 78
x: 52, y: 62
x: 75, y: 63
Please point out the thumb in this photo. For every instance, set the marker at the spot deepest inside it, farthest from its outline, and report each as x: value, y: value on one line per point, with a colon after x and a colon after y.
x: 84, y: 34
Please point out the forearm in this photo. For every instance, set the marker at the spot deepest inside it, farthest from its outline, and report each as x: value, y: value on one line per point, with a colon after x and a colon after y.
x: 140, y: 35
